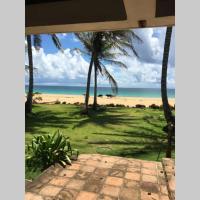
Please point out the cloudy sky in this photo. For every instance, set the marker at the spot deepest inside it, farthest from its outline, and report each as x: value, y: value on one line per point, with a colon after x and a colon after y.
x: 70, y: 68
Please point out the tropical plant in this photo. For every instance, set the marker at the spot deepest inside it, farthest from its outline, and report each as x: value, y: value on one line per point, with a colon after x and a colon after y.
x: 170, y: 119
x: 104, y: 48
x: 37, y: 44
x: 46, y: 150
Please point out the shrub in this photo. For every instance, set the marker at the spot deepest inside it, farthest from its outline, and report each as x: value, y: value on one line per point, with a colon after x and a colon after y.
x: 154, y: 106
x: 64, y: 102
x: 110, y: 105
x: 57, y: 102
x: 140, y: 106
x: 46, y: 150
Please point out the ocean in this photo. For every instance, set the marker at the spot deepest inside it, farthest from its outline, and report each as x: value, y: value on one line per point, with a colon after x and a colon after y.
x: 126, y: 92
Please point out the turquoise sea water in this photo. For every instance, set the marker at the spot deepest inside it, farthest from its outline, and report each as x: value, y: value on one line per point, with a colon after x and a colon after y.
x: 127, y: 92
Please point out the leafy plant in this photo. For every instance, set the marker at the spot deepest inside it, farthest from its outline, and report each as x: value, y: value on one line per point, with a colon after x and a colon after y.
x: 46, y: 150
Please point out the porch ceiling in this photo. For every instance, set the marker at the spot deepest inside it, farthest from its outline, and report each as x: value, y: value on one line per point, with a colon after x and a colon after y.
x: 53, y: 16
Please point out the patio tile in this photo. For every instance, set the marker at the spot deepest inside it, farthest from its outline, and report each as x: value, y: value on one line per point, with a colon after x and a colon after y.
x: 131, y: 184
x: 114, y: 181
x: 59, y: 181
x: 150, y: 187
x: 149, y: 165
x: 129, y: 194
x: 110, y: 190
x: 81, y: 175
x: 94, y: 183
x: 75, y: 184
x: 74, y: 167
x: 149, y: 178
x: 117, y: 173
x: 102, y: 172
x: 101, y: 177
x: 87, y: 168
x: 31, y: 196
x: 67, y: 194
x: 67, y: 173
x: 106, y: 197
x: 164, y: 197
x: 149, y: 171
x: 86, y: 196
x: 132, y: 176
x: 148, y: 196
x: 49, y: 190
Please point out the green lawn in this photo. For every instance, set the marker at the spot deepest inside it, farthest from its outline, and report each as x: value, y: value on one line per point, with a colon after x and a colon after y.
x: 128, y: 132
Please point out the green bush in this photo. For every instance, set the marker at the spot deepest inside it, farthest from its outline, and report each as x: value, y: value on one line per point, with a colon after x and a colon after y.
x: 46, y: 150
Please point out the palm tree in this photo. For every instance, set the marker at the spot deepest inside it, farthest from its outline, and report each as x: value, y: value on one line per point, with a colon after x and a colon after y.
x: 37, y: 44
x: 105, y: 47
x: 170, y: 119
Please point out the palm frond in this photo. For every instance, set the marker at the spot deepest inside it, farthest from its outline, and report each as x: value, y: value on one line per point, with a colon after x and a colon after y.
x: 57, y: 42
x: 106, y: 73
x: 37, y: 42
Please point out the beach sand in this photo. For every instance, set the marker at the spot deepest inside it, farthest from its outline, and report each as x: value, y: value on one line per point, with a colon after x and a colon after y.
x: 127, y: 101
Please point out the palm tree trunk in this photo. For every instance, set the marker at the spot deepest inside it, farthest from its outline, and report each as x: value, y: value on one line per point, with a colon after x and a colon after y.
x: 88, y: 85
x: 166, y: 107
x: 95, y: 87
x: 28, y: 104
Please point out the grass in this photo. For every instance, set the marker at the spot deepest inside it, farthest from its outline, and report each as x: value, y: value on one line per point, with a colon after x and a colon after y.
x: 128, y: 132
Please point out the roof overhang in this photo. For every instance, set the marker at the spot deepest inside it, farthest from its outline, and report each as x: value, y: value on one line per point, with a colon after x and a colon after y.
x: 57, y: 16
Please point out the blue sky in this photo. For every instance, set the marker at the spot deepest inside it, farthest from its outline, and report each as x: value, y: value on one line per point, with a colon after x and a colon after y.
x: 70, y: 68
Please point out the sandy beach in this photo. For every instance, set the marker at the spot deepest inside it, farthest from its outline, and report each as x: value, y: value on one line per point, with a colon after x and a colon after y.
x: 127, y: 101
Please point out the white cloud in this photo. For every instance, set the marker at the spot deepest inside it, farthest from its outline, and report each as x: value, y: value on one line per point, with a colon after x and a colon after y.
x: 145, y: 71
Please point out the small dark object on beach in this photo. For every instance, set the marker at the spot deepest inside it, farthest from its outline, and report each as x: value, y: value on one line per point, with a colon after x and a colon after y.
x: 140, y: 106
x: 110, y: 105
x: 109, y: 95
x: 57, y: 102
x: 120, y: 105
x: 100, y: 95
x: 154, y: 106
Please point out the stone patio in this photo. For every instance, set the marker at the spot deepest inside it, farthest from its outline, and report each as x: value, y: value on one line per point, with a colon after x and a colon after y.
x: 100, y: 177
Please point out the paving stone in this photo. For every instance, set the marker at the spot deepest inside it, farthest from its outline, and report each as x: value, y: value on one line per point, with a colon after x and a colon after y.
x: 68, y: 173
x: 110, y: 190
x: 94, y: 183
x: 105, y: 165
x: 86, y: 196
x: 122, y: 161
x: 129, y: 194
x: 75, y: 184
x: 44, y: 178
x: 132, y: 176
x: 135, y: 164
x: 122, y: 167
x: 84, y: 156
x: 163, y: 189
x: 34, y: 186
x: 102, y: 172
x: 164, y: 197
x: 106, y: 197
x: 117, y: 173
x: 81, y: 175
x: 31, y: 196
x: 134, y: 170
x: 149, y: 171
x: 87, y: 168
x: 74, y: 167
x: 148, y: 196
x: 149, y: 178
x: 114, y: 181
x: 59, y: 181
x: 131, y: 184
x: 49, y: 190
x: 110, y: 159
x: 93, y: 163
x: 149, y: 187
x: 67, y: 194
x: 149, y: 165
